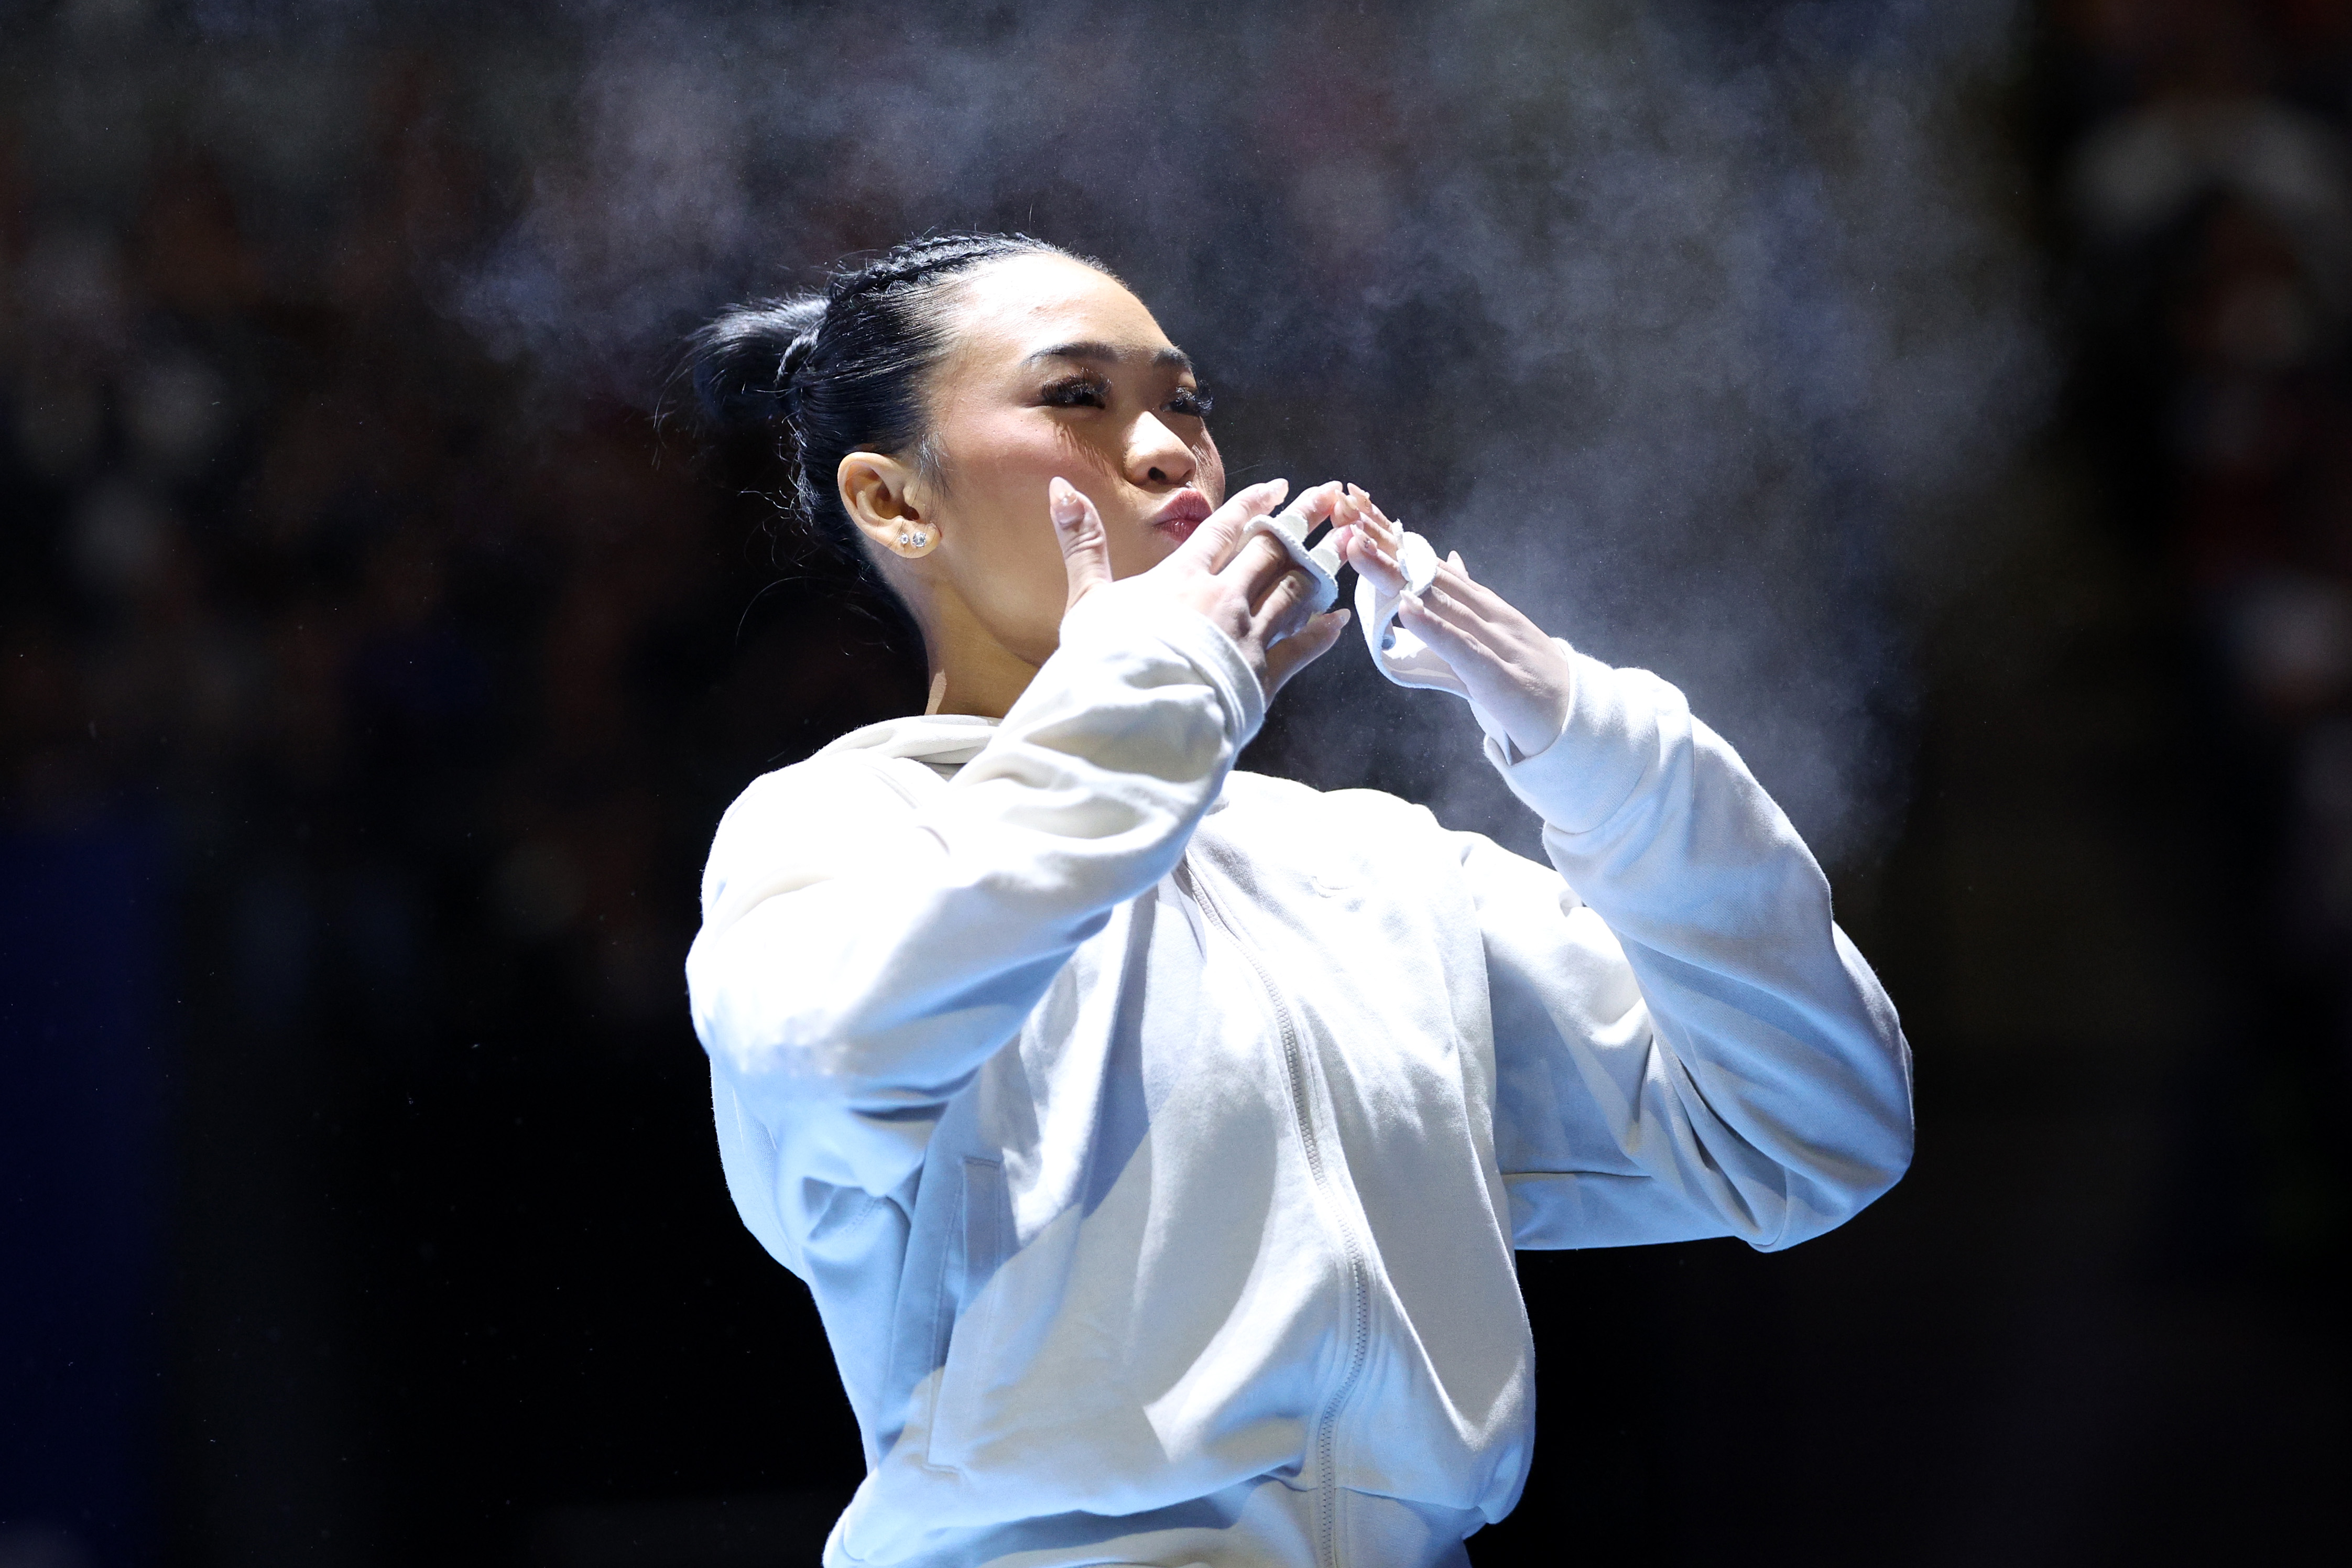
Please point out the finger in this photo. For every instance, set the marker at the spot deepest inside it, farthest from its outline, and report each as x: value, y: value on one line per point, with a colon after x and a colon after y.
x: 1500, y: 617
x: 1309, y: 643
x: 1086, y: 547
x: 1315, y: 505
x: 1213, y: 544
x: 1284, y: 609
x: 1457, y: 644
x: 1325, y: 502
x: 1318, y: 502
x: 1362, y: 552
x: 1383, y: 529
x: 1449, y: 598
x: 1258, y: 566
x: 1456, y: 577
x: 1472, y: 604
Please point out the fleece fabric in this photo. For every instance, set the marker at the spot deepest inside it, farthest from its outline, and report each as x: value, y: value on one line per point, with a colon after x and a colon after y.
x: 1154, y: 1136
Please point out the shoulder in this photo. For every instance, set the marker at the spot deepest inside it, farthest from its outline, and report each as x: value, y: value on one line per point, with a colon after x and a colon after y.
x: 903, y: 761
x: 808, y: 812
x: 810, y: 792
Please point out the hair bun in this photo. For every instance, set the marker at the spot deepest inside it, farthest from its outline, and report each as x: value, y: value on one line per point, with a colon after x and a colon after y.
x: 737, y: 365
x: 796, y: 354
x: 738, y: 373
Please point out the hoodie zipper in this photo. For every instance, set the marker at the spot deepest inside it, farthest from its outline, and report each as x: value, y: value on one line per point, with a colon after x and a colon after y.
x: 1358, y: 1295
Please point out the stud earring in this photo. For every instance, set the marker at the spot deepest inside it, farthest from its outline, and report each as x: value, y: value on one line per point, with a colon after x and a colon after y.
x: 905, y: 540
x: 922, y: 539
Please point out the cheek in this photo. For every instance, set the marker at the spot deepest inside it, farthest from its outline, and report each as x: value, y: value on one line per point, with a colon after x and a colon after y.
x: 1001, y: 465
x: 1005, y: 561
x: 1211, y: 477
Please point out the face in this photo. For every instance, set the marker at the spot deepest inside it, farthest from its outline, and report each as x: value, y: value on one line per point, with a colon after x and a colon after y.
x: 1052, y: 370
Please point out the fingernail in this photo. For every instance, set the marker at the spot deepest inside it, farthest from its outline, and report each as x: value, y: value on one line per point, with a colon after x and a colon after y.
x: 1063, y: 500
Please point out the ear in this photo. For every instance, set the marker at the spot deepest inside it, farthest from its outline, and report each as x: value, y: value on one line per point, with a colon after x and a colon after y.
x: 884, y: 497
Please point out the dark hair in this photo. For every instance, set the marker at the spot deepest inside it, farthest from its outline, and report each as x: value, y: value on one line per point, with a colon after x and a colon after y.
x: 783, y: 389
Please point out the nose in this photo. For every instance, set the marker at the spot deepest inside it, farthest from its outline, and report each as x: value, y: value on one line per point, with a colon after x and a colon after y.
x: 1157, y: 457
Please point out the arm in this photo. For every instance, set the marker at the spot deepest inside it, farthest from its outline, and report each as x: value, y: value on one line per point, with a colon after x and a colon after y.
x: 1685, y: 1043
x: 1691, y: 1047
x: 861, y: 954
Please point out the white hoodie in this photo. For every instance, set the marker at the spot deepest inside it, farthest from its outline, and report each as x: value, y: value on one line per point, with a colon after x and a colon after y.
x: 1155, y: 1137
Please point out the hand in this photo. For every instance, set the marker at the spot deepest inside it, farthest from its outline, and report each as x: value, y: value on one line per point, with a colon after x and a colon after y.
x: 1250, y: 592
x: 1504, y: 661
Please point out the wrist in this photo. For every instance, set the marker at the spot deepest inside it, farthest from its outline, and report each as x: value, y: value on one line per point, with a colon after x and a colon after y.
x: 1527, y: 717
x: 1610, y: 746
x: 1553, y: 697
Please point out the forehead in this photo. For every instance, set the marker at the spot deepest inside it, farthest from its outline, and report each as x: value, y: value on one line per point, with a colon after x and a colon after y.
x: 1015, y: 307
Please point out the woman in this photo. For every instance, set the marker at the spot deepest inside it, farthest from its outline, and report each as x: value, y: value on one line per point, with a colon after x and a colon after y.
x: 1155, y: 1136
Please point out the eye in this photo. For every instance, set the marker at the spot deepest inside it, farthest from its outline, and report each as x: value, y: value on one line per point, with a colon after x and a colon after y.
x: 1077, y: 391
x: 1191, y: 400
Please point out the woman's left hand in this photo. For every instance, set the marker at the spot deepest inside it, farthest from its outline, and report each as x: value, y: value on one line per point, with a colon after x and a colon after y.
x: 1505, y: 662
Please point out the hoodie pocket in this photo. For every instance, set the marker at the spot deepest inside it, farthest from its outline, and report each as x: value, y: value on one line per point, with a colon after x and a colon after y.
x: 978, y: 1248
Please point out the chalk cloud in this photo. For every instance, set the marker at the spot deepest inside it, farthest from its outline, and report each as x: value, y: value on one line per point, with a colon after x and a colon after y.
x: 1703, y: 329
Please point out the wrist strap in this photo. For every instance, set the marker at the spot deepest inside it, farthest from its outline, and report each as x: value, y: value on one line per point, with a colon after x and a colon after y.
x: 1396, y: 652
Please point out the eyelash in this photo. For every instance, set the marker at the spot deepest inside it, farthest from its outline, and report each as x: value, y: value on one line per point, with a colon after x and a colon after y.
x: 1078, y: 392
x: 1085, y: 392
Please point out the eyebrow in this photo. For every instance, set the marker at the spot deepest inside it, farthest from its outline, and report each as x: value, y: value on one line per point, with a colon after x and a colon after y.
x: 1111, y: 353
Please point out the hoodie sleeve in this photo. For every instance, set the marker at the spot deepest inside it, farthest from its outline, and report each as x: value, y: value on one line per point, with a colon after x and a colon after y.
x: 861, y: 955
x: 1685, y: 1043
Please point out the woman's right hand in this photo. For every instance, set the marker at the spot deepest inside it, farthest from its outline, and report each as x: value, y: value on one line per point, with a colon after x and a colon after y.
x: 1251, y: 590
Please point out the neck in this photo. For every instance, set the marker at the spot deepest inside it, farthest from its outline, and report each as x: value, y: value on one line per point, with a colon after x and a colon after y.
x: 972, y: 671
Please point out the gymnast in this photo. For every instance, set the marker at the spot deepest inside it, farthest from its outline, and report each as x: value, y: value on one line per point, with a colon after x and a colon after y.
x: 1155, y: 1136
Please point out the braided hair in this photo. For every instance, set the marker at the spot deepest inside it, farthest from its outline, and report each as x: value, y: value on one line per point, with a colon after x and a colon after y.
x: 783, y: 389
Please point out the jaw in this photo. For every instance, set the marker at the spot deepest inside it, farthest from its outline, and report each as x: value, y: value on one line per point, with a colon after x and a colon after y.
x: 986, y: 666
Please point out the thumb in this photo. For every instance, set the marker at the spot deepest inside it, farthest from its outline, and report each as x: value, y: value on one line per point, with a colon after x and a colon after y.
x: 1086, y: 548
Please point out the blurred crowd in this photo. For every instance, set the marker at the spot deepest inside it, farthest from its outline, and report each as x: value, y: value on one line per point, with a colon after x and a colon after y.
x: 289, y: 569
x: 2208, y: 184
x: 398, y: 640
x: 391, y: 692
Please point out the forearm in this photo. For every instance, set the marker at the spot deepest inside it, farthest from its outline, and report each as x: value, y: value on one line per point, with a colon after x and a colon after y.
x: 1773, y: 1080
x: 878, y: 978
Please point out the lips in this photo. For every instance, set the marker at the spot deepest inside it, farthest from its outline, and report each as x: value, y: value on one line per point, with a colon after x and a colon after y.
x: 1185, y: 511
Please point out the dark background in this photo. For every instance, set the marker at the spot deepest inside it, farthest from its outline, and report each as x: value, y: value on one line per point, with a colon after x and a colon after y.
x: 372, y: 676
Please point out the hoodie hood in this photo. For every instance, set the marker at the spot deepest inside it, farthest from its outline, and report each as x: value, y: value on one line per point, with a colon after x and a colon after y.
x: 943, y: 740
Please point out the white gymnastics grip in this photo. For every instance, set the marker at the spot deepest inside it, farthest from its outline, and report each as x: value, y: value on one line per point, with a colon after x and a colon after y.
x: 1396, y: 652
x: 1289, y: 529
